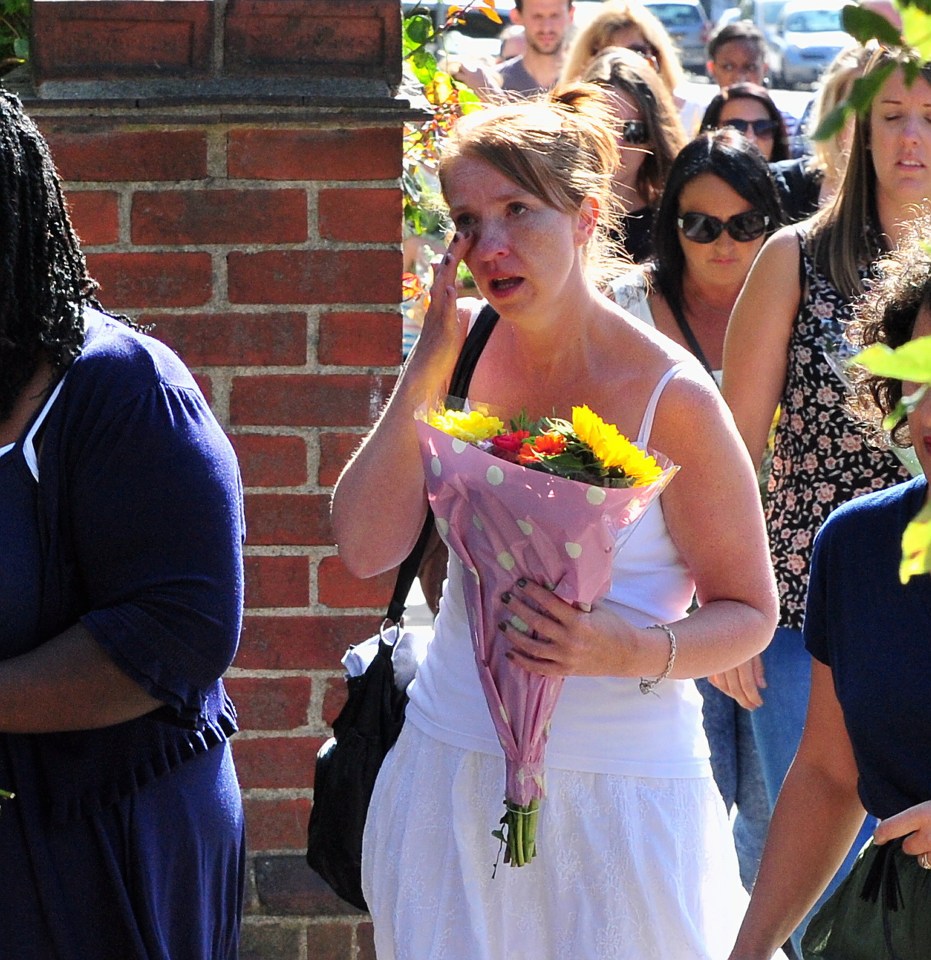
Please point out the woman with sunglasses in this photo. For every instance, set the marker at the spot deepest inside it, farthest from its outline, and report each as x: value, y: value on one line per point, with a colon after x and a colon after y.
x: 786, y: 347
x: 649, y: 138
x: 750, y: 110
x: 719, y: 206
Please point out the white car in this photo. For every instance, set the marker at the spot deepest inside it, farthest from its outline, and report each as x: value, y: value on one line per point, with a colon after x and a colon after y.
x: 809, y: 35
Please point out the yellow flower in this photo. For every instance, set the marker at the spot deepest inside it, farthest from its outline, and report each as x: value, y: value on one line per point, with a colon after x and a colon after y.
x: 613, y: 449
x: 471, y: 427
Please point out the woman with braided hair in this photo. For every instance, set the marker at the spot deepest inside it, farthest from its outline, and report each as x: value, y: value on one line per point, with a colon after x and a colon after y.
x: 121, y: 593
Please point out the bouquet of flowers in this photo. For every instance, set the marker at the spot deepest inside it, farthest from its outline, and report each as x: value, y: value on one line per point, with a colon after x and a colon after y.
x: 551, y: 501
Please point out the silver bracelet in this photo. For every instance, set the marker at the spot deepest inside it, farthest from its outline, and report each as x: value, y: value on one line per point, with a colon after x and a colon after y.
x: 647, y: 684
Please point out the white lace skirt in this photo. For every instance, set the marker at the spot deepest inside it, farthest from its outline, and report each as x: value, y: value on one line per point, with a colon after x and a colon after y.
x: 627, y: 868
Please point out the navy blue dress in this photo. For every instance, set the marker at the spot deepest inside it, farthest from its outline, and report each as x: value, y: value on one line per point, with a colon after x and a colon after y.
x: 124, y: 843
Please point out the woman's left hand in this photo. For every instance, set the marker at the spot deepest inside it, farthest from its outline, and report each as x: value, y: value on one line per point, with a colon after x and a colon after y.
x: 549, y: 636
x: 914, y: 824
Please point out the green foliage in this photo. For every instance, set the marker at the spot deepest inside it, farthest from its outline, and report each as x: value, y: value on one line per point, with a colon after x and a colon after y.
x: 14, y: 33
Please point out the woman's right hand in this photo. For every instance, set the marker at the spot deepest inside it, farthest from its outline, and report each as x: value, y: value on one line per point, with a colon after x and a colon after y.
x: 743, y: 682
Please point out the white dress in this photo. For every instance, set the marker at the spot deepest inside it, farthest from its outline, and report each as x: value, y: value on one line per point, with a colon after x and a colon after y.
x: 635, y: 855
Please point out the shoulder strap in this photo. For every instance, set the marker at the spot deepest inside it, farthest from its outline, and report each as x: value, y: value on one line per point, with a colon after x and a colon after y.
x: 689, y: 334
x: 646, y: 425
x: 458, y: 387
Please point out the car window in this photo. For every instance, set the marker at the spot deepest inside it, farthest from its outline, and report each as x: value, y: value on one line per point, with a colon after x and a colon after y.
x: 675, y: 14
x: 814, y: 21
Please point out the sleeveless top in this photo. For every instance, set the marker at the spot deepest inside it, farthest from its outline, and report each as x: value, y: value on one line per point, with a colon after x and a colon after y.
x: 601, y: 724
x: 821, y: 458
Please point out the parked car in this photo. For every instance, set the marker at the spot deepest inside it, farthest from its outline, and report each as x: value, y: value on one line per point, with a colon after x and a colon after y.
x: 810, y: 34
x: 688, y: 25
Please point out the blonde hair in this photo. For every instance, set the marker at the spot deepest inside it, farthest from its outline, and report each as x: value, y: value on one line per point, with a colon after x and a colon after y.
x: 560, y: 148
x: 628, y: 73
x: 846, y: 232
x: 616, y: 15
x: 835, y: 86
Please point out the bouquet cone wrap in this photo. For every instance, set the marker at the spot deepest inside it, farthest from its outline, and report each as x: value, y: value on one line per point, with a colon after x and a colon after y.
x: 505, y: 521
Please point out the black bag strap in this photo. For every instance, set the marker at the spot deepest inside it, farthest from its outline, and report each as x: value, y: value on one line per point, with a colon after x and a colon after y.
x: 458, y: 387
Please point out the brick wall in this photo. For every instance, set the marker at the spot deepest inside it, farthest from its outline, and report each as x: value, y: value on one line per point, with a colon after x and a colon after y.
x: 238, y: 189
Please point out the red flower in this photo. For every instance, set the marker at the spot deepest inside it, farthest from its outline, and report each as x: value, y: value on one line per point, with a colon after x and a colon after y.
x: 544, y: 445
x: 511, y: 442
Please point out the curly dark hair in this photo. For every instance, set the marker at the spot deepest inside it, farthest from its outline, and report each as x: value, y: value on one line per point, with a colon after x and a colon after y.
x: 44, y: 282
x: 887, y: 314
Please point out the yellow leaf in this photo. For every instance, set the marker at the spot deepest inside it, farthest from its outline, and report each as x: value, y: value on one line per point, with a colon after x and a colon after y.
x: 916, y: 546
x: 916, y: 30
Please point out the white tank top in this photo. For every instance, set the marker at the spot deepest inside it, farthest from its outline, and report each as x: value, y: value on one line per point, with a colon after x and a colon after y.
x: 601, y: 724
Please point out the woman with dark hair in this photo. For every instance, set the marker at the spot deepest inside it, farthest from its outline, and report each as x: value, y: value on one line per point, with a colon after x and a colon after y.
x: 121, y: 598
x: 786, y: 347
x: 749, y: 109
x: 718, y: 208
x: 650, y: 136
x: 867, y: 737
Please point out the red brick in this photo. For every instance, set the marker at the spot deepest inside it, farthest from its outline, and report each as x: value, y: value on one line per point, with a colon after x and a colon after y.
x: 275, y: 761
x: 152, y: 280
x: 287, y: 887
x: 234, y: 339
x: 277, y: 582
x: 360, y: 339
x: 315, y: 276
x: 337, y: 587
x: 335, y: 451
x: 206, y: 386
x: 95, y: 216
x: 368, y: 153
x: 121, y: 38
x: 219, y: 216
x: 267, y: 460
x: 130, y: 156
x: 296, y: 519
x: 263, y: 941
x: 330, y: 941
x: 365, y: 938
x: 360, y: 216
x: 304, y: 38
x: 276, y: 824
x: 301, y: 643
x: 270, y: 703
x: 333, y: 400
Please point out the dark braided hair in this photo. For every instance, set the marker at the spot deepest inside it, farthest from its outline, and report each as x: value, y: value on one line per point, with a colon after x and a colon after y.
x: 44, y: 283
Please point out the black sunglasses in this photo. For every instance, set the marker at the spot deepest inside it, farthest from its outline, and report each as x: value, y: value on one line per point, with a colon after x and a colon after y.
x: 634, y: 132
x: 761, y: 128
x: 743, y: 227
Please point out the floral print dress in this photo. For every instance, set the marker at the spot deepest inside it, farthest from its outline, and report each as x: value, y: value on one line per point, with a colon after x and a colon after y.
x: 821, y: 458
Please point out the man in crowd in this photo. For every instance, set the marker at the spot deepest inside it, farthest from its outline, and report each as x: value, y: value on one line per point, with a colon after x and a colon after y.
x: 546, y: 26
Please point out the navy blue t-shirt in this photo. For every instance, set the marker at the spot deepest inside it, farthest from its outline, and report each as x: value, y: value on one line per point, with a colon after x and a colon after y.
x: 875, y: 635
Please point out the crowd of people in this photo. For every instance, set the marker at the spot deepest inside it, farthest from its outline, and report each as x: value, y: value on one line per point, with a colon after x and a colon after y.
x: 688, y: 264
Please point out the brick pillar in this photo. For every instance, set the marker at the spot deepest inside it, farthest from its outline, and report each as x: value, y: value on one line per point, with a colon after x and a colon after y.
x: 232, y: 169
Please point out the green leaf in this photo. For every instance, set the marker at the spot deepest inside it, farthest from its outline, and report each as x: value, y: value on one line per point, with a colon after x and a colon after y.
x: 916, y: 546
x: 864, y: 89
x: 864, y: 25
x: 911, y: 361
x: 418, y: 30
x: 916, y: 31
x: 21, y: 48
x: 835, y: 121
x: 423, y: 64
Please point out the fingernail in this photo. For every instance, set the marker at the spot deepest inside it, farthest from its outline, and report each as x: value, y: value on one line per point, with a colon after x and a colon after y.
x: 505, y: 597
x: 502, y: 626
x: 522, y: 583
x: 446, y: 258
x: 457, y: 236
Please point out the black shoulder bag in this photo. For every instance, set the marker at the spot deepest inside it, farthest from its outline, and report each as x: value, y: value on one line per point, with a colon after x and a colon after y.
x: 370, y: 722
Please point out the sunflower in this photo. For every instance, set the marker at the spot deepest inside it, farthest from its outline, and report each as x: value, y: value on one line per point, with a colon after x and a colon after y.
x: 615, y: 452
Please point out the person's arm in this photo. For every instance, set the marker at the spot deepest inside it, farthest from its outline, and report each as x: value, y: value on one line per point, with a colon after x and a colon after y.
x: 713, y: 513
x: 757, y: 340
x: 914, y: 824
x: 755, y: 360
x: 380, y: 502
x: 68, y: 683
x: 816, y: 819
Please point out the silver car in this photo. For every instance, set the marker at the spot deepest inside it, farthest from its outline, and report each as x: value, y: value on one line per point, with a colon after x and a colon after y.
x: 688, y: 25
x: 810, y: 35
